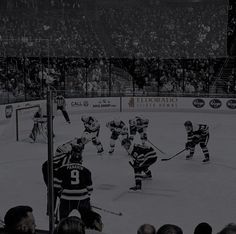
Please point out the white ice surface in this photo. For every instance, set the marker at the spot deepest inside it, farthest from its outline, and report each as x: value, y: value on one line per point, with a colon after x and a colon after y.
x: 181, y: 192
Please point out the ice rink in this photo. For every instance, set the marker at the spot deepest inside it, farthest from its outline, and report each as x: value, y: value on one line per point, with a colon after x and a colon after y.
x: 182, y: 192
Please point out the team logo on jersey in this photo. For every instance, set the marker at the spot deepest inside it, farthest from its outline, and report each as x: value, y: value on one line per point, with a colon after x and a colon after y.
x: 198, y: 103
x: 215, y: 103
x: 8, y: 111
x: 231, y: 104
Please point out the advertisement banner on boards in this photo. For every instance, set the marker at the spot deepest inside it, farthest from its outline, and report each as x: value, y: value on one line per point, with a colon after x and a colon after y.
x: 149, y: 103
x: 91, y: 104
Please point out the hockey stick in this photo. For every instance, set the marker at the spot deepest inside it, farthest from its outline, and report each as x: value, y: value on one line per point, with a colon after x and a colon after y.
x: 166, y: 159
x: 108, y: 211
x: 156, y: 147
x: 131, y: 164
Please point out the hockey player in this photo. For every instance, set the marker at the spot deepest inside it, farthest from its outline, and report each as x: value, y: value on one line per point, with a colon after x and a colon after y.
x: 143, y: 157
x: 118, y: 128
x: 61, y: 105
x: 39, y: 126
x: 91, y: 132
x: 73, y: 185
x: 66, y: 147
x: 197, y: 135
x: 139, y: 125
x: 62, y: 157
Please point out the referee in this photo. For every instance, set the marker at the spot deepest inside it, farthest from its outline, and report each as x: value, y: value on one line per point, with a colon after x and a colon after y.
x: 61, y: 105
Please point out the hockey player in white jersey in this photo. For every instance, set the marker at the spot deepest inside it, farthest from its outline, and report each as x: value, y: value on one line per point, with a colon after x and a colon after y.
x: 118, y: 129
x: 66, y: 147
x: 138, y: 124
x: 143, y: 157
x: 91, y: 132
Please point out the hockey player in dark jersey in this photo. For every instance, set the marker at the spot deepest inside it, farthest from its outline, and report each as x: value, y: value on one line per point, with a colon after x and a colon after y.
x: 62, y: 157
x: 197, y: 135
x: 73, y: 185
x: 39, y: 126
x: 61, y: 105
x: 143, y: 157
x: 139, y: 125
x: 91, y: 132
x: 117, y: 128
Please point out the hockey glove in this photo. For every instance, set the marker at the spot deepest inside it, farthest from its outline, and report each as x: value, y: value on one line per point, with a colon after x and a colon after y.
x: 188, y: 145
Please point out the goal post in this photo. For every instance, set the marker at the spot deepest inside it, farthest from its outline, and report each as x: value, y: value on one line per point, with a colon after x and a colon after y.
x: 24, y: 122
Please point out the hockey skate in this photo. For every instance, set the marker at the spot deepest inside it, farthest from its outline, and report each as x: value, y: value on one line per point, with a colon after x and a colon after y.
x: 189, y: 157
x: 206, y: 159
x: 111, y: 151
x: 100, y: 151
x: 135, y: 188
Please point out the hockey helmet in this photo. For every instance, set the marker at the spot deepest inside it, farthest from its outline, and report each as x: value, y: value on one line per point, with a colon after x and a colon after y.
x: 126, y: 143
x: 138, y: 119
x: 116, y: 120
x: 81, y: 141
x: 85, y: 118
x: 76, y: 154
x: 189, y: 126
x: 188, y: 123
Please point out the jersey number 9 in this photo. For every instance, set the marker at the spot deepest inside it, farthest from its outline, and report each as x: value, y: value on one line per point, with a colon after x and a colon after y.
x: 74, y: 177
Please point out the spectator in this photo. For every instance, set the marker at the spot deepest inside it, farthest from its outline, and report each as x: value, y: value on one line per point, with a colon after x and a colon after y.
x: 146, y: 229
x: 93, y: 222
x: 70, y: 225
x: 189, y: 88
x: 20, y: 219
x: 203, y: 228
x: 229, y: 229
x: 169, y: 229
x: 2, y: 229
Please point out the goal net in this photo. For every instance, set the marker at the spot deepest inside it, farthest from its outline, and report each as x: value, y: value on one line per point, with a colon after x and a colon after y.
x: 25, y: 123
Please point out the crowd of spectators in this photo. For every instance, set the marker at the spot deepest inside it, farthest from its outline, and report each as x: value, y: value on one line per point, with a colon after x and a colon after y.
x: 20, y: 220
x: 169, y: 31
x: 45, y: 34
x: 165, y: 31
x: 232, y: 28
x: 28, y: 78
x: 181, y: 76
x: 161, y: 48
x: 39, y: 4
